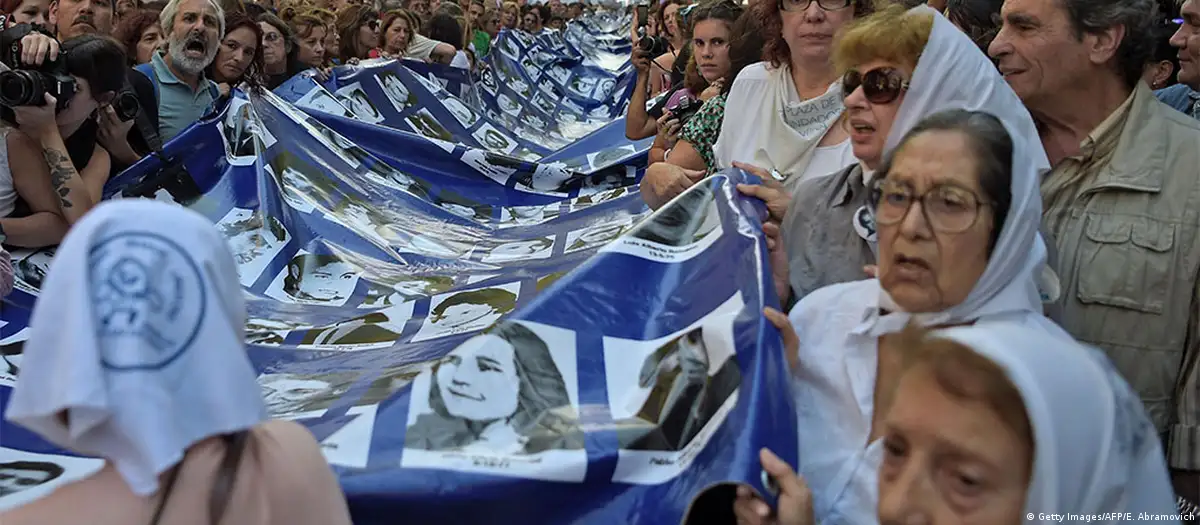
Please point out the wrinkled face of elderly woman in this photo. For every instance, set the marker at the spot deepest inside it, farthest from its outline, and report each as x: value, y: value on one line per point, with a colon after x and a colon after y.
x: 874, y: 92
x: 934, y: 223
x: 956, y: 450
x: 478, y: 380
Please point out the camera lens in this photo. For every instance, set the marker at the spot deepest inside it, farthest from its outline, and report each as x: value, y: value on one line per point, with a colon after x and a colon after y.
x: 126, y: 106
x: 646, y: 43
x: 21, y: 88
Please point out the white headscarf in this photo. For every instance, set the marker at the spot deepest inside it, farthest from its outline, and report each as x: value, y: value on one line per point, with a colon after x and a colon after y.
x: 1095, y: 451
x: 137, y: 336
x: 953, y: 73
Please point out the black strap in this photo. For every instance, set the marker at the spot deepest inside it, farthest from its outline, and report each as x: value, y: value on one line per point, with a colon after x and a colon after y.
x: 222, y: 489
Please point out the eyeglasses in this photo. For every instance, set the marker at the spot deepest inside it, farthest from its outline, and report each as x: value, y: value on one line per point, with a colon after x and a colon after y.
x: 373, y: 24
x: 802, y: 5
x: 880, y: 85
x: 947, y: 208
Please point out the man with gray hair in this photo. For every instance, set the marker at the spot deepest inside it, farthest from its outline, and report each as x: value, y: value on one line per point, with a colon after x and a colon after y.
x: 194, y: 29
x: 1120, y: 201
x: 1185, y: 96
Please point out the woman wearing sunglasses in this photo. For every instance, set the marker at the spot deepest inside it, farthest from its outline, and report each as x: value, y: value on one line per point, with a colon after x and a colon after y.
x: 359, y: 29
x: 950, y: 164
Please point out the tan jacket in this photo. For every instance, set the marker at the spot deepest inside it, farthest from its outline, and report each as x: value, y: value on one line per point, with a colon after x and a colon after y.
x: 1129, y: 259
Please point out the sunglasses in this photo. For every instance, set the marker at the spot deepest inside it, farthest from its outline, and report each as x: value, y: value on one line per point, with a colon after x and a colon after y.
x: 373, y: 24
x: 880, y: 85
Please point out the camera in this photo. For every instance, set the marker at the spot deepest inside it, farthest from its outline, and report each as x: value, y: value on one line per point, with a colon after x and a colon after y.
x: 686, y: 109
x: 126, y: 105
x: 28, y: 85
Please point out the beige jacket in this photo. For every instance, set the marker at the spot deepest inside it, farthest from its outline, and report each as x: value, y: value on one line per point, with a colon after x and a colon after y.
x: 1129, y: 259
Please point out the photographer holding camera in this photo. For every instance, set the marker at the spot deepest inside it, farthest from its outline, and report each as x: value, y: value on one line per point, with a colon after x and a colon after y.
x: 50, y: 94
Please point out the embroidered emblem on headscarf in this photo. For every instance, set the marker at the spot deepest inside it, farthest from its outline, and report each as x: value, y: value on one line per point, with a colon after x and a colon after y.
x: 148, y: 297
x: 864, y: 224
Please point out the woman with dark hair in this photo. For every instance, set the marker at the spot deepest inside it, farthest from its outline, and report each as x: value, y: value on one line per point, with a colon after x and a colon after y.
x: 958, y: 207
x: 140, y: 33
x: 35, y: 148
x: 240, y: 56
x: 359, y: 30
x: 725, y: 48
x: 278, y: 42
x: 977, y: 18
x: 499, y: 392
x: 444, y: 27
x: 1164, y: 63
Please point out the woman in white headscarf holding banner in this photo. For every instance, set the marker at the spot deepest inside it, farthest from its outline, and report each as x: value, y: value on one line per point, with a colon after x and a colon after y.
x: 136, y: 356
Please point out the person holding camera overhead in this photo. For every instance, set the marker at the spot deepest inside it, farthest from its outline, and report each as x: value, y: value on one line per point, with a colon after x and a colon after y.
x: 85, y: 76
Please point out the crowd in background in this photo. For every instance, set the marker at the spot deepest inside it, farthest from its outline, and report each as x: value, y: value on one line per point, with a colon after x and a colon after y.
x: 982, y: 218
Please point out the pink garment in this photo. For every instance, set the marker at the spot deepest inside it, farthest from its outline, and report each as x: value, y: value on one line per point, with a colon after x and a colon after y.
x: 6, y: 273
x: 678, y: 97
x: 283, y: 480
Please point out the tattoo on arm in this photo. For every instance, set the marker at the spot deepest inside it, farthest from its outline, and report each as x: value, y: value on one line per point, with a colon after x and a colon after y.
x: 61, y: 171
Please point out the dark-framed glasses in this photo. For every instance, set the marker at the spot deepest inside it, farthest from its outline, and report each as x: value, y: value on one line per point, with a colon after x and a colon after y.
x: 881, y: 85
x: 947, y: 208
x: 801, y: 5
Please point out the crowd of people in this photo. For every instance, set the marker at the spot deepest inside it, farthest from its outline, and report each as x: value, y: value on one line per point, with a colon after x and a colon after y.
x: 981, y: 217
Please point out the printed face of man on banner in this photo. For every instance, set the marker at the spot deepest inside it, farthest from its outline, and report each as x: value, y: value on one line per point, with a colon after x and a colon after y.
x: 16, y: 476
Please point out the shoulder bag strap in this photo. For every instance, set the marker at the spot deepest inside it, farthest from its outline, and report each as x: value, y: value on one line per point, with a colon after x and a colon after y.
x: 222, y: 490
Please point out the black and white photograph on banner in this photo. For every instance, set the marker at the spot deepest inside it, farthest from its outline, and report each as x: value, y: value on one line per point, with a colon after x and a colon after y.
x: 669, y: 396
x: 488, y: 79
x: 460, y: 111
x: 253, y: 246
x: 377, y: 224
x: 596, y: 235
x: 547, y: 87
x: 514, y: 216
x: 572, y: 106
x: 491, y: 165
x: 303, y: 186
x: 605, y: 88
x: 334, y: 142
x: 304, y: 395
x: 310, y: 278
x: 677, y: 232
x: 466, y: 311
x: 550, y: 179
x: 520, y: 250
x: 269, y: 332
x: 607, y: 179
x: 355, y: 98
x: 527, y: 63
x: 505, y: 402
x: 27, y: 476
x: 509, y: 48
x: 582, y: 86
x: 387, y: 175
x: 322, y: 100
x: 432, y: 83
x: 560, y: 74
x: 508, y: 104
x: 31, y: 267
x: 423, y: 122
x: 409, y: 288
x: 12, y: 348
x: 239, y: 130
x: 545, y: 103
x: 535, y: 122
x: 541, y: 57
x: 493, y: 139
x: 378, y: 329
x: 396, y: 92
x: 463, y: 206
x: 611, y: 156
x: 432, y: 246
x: 520, y: 87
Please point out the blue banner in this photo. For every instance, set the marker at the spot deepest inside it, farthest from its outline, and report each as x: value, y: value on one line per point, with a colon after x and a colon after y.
x: 474, y: 335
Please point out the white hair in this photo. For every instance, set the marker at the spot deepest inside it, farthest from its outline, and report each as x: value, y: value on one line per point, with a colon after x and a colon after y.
x: 166, y: 19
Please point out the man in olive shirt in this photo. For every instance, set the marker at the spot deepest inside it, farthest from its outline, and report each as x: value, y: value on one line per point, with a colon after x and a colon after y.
x: 1121, y: 201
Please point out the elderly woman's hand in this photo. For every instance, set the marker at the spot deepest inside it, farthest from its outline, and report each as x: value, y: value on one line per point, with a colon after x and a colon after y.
x: 771, y: 192
x: 713, y: 89
x: 791, y: 342
x: 777, y: 254
x: 664, y: 181
x: 795, y: 499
